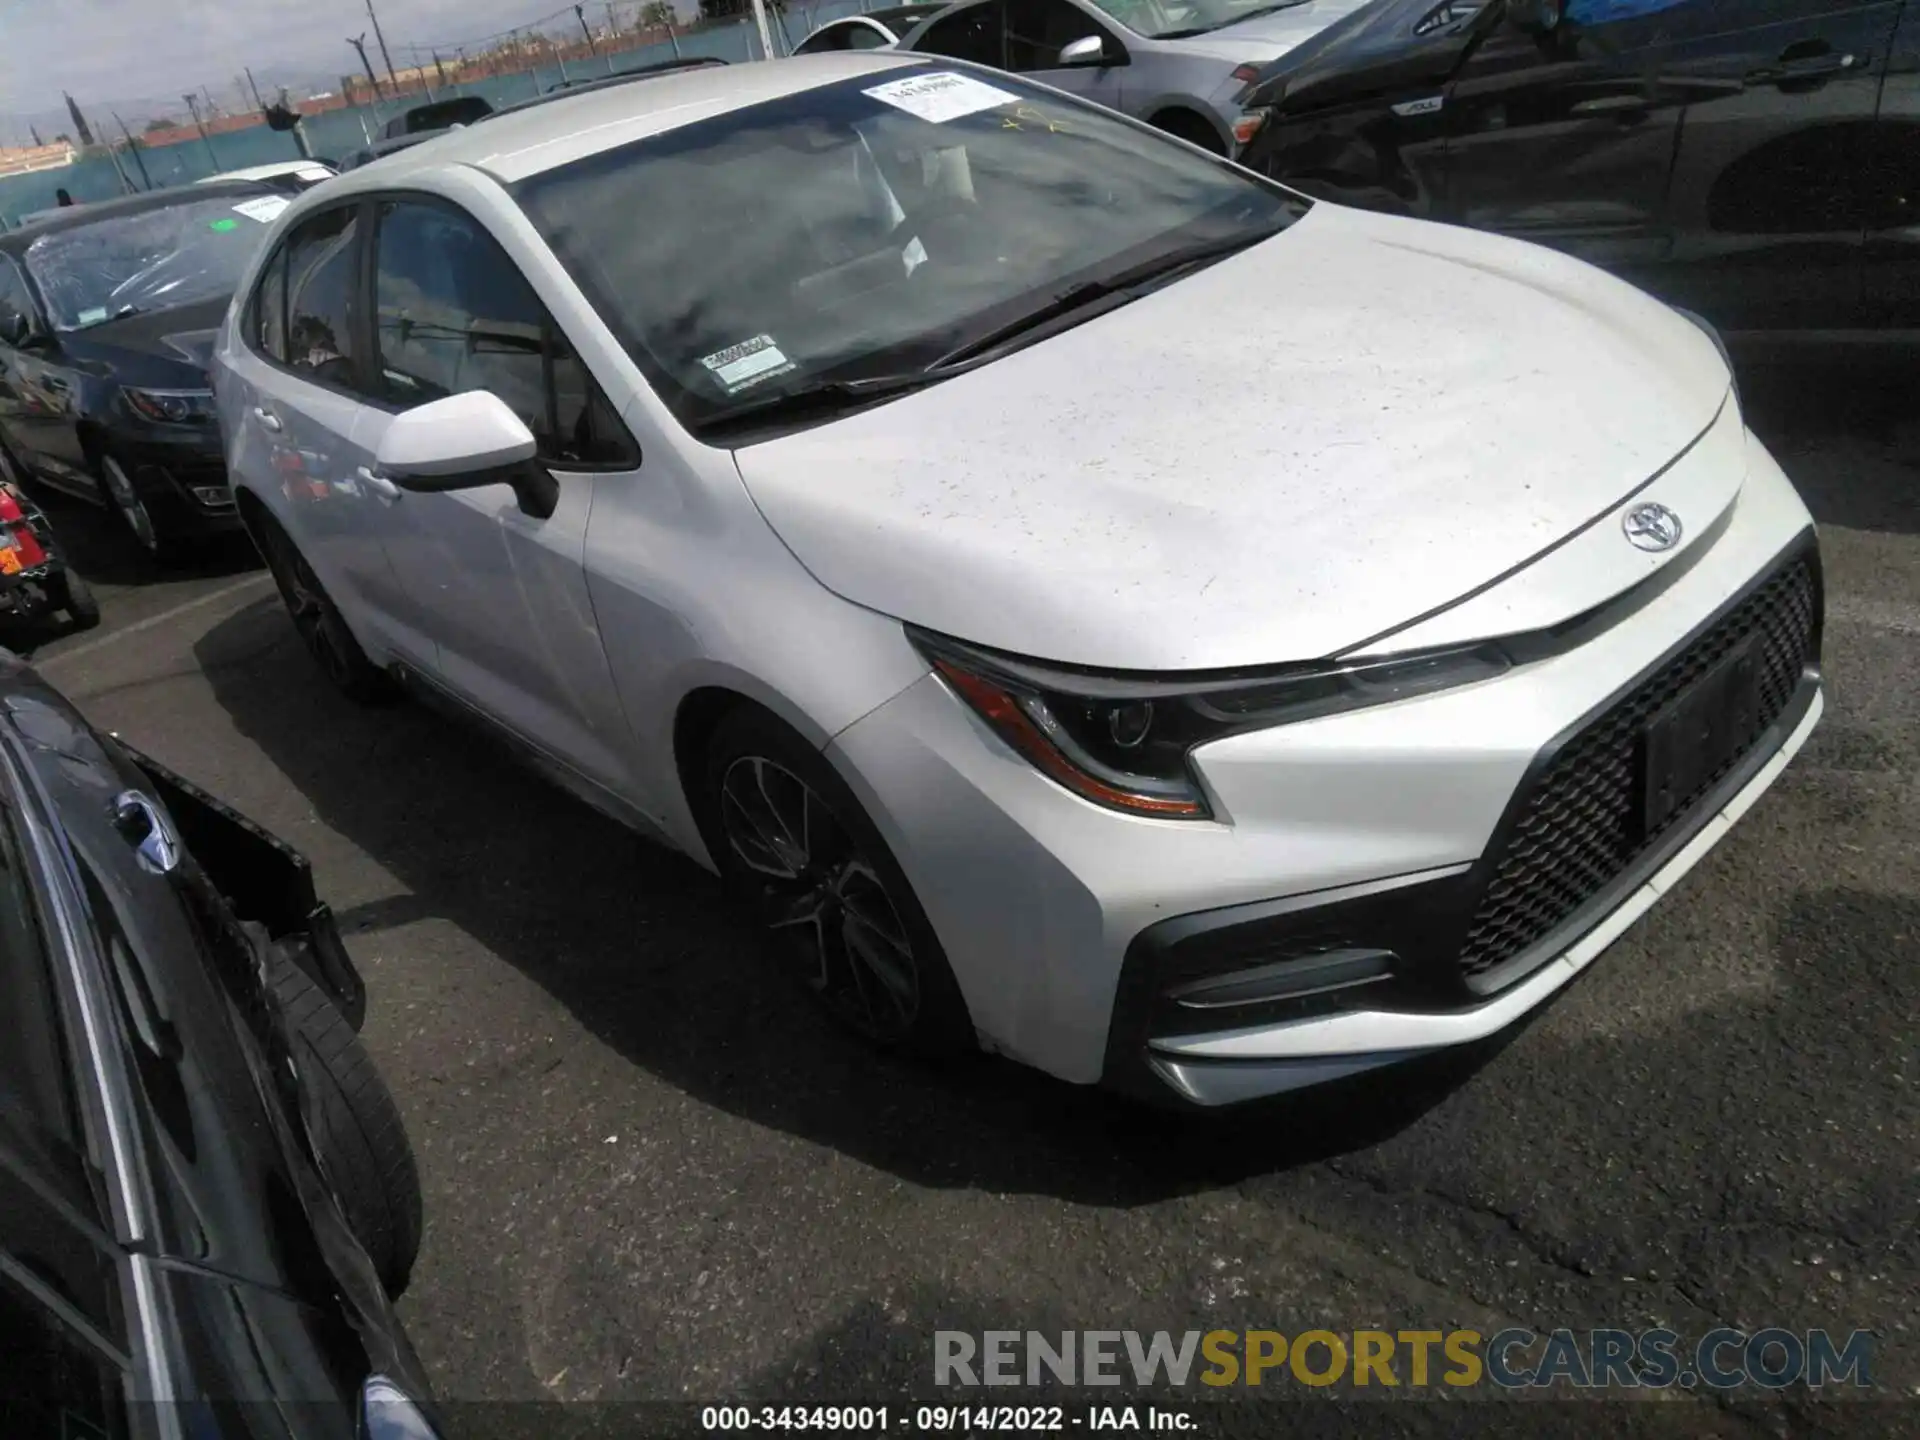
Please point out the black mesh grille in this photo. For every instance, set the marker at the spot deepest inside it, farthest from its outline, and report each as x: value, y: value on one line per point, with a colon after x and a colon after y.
x: 1581, y: 825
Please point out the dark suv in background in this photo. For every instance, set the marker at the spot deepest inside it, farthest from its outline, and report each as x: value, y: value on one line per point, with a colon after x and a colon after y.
x: 206, y: 1196
x: 1756, y: 161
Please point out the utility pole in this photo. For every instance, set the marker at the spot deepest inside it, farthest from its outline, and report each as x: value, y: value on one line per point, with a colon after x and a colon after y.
x: 766, y: 36
x: 254, y: 88
x: 133, y: 146
x: 193, y: 108
x: 383, y: 47
x: 359, y: 43
x: 439, y: 69
x: 580, y: 13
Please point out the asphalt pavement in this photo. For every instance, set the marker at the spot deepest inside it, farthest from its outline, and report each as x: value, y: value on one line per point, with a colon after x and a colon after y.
x: 652, y: 1174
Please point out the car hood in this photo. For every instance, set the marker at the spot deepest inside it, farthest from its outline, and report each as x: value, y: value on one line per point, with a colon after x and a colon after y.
x: 1267, y: 36
x: 169, y: 348
x: 1285, y: 456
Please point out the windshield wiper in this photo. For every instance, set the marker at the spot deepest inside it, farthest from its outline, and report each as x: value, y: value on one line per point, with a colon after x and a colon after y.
x: 1078, y: 302
x: 825, y: 396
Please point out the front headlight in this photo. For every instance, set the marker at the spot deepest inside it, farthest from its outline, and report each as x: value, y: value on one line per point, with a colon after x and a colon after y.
x: 170, y: 407
x: 1125, y: 742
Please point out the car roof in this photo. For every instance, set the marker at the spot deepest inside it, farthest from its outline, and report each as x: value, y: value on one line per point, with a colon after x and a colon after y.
x: 893, y: 16
x: 75, y: 216
x: 514, y: 144
x: 263, y: 172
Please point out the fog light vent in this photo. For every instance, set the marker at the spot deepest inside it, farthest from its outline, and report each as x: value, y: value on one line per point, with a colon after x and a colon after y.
x: 1320, y: 974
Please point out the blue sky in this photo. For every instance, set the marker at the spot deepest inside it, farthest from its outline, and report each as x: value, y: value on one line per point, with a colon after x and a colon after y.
x: 109, y: 53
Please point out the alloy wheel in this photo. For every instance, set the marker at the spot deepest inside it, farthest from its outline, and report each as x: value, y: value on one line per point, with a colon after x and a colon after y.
x: 313, y: 616
x: 822, y: 896
x: 127, y: 501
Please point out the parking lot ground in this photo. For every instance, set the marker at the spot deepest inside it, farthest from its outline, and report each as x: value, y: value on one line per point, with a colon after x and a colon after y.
x: 652, y: 1174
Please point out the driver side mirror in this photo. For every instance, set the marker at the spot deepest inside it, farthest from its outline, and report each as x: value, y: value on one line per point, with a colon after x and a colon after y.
x: 16, y: 327
x: 1087, y: 50
x: 1535, y: 17
x: 463, y: 442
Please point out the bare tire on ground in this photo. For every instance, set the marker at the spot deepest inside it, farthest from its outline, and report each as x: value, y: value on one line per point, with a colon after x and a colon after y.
x: 791, y: 837
x: 362, y: 1144
x: 76, y: 597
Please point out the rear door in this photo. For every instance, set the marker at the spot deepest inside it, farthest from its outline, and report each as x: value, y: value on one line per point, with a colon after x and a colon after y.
x: 1891, y: 208
x: 1767, y: 200
x: 300, y: 378
x: 1564, y: 138
x: 501, y: 594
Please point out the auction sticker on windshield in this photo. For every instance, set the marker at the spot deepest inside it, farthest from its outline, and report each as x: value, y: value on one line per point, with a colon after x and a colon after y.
x: 747, y: 363
x: 941, y: 97
x: 263, y: 209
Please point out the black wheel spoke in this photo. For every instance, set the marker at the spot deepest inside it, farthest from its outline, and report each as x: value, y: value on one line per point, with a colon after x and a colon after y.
x: 821, y: 896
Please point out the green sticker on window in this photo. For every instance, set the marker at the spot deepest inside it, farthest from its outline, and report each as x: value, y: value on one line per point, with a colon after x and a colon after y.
x: 223, y: 224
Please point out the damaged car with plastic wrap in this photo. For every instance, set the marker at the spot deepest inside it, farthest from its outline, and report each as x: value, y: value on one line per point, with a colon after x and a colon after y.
x: 107, y: 319
x: 1098, y: 604
x: 207, y: 1198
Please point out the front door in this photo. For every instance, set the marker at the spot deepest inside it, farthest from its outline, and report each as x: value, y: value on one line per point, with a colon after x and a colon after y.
x: 1036, y: 32
x: 1766, y: 201
x: 1564, y: 138
x: 501, y: 593
x: 1891, y: 211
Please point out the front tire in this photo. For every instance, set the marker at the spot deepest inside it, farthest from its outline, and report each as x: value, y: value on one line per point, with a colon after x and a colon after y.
x: 126, y: 506
x: 1184, y: 125
x: 76, y: 597
x: 317, y: 620
x: 358, y: 1133
x: 790, y: 837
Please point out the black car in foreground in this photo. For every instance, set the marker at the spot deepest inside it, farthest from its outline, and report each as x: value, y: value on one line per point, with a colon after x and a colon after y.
x: 206, y: 1195
x: 108, y: 315
x: 1756, y: 161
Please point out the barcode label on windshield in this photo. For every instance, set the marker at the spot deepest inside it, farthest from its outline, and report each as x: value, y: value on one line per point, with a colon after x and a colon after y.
x: 739, y: 366
x: 941, y: 97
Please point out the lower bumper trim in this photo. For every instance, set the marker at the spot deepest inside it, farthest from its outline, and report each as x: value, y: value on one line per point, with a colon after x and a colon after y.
x: 1226, y: 1067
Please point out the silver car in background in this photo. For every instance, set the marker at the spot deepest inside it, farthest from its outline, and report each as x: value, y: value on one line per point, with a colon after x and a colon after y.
x: 1181, y: 65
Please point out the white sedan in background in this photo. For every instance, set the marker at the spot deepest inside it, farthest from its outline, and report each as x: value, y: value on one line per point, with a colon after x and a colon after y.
x: 1092, y: 602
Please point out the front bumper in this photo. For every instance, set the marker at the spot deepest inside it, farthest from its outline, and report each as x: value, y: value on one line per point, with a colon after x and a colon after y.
x: 184, y: 486
x: 1077, y: 934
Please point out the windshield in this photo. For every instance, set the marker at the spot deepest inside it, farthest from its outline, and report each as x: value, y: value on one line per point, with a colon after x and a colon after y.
x: 149, y: 260
x: 1171, y: 19
x: 871, y: 225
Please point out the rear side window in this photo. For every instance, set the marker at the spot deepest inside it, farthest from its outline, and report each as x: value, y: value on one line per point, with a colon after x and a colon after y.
x: 264, y: 326
x: 453, y: 313
x: 973, y: 34
x: 322, y: 261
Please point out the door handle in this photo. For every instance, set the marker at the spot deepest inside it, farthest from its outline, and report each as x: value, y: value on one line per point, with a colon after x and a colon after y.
x: 1624, y: 106
x: 1802, y: 68
x: 379, y: 485
x: 268, y: 420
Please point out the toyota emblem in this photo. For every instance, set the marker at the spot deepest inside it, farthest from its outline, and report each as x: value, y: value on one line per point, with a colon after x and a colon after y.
x: 1651, y: 527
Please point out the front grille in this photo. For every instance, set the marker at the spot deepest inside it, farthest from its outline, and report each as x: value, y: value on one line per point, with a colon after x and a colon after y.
x: 1580, y: 826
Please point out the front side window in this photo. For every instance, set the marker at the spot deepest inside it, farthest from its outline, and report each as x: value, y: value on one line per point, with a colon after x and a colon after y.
x: 322, y: 259
x: 870, y: 226
x: 865, y: 37
x: 453, y: 313
x: 834, y: 37
x: 1037, y: 31
x: 126, y: 264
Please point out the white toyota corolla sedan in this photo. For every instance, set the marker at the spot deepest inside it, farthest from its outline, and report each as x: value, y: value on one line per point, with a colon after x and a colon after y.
x: 1099, y: 605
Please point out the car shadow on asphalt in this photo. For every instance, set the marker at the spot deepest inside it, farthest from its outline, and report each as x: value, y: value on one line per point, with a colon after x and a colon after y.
x: 105, y: 554
x: 646, y: 950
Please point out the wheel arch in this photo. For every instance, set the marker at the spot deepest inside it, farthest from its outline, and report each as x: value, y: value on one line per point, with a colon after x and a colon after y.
x: 1184, y: 120
x: 696, y: 717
